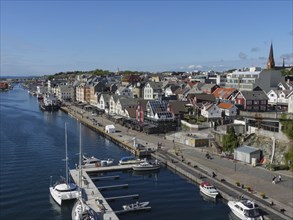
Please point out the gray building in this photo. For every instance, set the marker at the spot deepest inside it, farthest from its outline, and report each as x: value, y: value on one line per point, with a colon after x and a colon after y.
x: 246, y: 154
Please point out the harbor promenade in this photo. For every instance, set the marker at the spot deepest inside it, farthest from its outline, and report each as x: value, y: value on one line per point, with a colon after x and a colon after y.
x: 278, y: 199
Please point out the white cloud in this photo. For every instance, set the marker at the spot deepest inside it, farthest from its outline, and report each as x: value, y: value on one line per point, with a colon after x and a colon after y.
x: 195, y: 66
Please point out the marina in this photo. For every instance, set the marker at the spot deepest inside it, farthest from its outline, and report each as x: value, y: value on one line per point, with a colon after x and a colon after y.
x: 157, y: 188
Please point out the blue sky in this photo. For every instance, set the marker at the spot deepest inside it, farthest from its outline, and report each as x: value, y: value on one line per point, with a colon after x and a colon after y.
x: 46, y: 37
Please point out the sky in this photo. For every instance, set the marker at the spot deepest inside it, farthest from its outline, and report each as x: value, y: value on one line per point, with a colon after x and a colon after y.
x: 47, y: 37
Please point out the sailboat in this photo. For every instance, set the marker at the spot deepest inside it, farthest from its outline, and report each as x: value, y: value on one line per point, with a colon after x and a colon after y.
x: 80, y: 210
x: 64, y: 189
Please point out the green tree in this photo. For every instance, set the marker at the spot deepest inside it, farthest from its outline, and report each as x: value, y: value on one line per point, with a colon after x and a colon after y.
x: 230, y: 140
x: 287, y: 72
x: 289, y: 157
x: 287, y: 126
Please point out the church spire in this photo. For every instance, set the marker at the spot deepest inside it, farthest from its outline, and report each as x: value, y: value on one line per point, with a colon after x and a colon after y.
x: 271, y: 61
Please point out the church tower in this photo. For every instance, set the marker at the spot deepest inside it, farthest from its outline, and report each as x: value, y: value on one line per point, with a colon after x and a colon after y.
x: 271, y: 61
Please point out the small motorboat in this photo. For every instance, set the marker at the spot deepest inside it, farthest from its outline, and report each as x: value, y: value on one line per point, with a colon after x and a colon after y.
x: 134, y: 206
x: 129, y: 160
x: 208, y: 189
x: 95, y: 162
x: 245, y: 209
x: 146, y: 166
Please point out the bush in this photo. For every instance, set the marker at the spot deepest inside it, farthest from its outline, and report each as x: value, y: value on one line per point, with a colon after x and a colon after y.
x: 275, y: 167
x: 262, y: 195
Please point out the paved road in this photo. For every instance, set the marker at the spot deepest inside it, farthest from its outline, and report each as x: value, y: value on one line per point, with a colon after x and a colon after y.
x: 259, y: 179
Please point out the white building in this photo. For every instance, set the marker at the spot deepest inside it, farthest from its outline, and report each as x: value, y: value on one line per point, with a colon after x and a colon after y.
x: 152, y: 90
x: 247, y: 80
x: 211, y: 111
x: 65, y: 92
x: 247, y: 154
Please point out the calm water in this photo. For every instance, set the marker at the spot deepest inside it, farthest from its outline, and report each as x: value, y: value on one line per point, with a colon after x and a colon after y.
x: 32, y: 149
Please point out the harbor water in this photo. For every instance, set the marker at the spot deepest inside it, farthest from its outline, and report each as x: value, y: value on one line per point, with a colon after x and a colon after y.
x: 32, y: 149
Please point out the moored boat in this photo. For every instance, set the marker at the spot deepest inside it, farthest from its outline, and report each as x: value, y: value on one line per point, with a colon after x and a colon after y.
x: 129, y: 160
x: 245, y: 209
x: 81, y: 210
x: 95, y: 162
x: 64, y: 190
x: 146, y: 166
x: 134, y: 206
x: 208, y: 189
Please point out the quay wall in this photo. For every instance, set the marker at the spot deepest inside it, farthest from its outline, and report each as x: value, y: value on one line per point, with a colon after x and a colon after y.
x: 198, y: 174
x: 110, y: 136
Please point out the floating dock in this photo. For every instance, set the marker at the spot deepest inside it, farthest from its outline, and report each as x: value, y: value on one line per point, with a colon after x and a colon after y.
x: 134, y: 196
x: 105, y: 177
x: 113, y: 187
x: 95, y: 199
x: 119, y: 212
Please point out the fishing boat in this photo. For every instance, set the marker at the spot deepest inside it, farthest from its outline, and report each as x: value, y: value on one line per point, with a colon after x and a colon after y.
x: 135, y: 206
x: 80, y: 210
x: 146, y: 166
x: 64, y: 189
x: 208, y: 189
x: 245, y: 209
x: 49, y: 103
x: 129, y: 160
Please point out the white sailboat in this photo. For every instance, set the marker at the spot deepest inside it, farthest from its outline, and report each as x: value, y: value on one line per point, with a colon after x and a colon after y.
x: 64, y: 189
x: 80, y: 210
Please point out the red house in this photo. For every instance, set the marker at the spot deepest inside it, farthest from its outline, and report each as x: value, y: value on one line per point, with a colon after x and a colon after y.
x: 255, y: 101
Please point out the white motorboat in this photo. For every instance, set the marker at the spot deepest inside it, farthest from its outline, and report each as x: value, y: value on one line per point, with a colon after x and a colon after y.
x: 129, y: 160
x: 208, y: 189
x: 146, y: 166
x: 95, y: 162
x: 64, y: 190
x: 134, y: 206
x: 245, y: 209
x: 80, y: 210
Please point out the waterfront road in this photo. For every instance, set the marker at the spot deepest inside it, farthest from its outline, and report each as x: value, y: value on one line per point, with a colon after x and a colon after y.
x: 257, y: 178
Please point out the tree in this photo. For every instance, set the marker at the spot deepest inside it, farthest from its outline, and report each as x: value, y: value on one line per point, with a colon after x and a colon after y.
x: 230, y: 140
x: 287, y: 126
x: 287, y: 72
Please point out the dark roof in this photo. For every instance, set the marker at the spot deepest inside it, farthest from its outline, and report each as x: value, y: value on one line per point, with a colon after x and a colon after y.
x: 131, y: 112
x: 254, y: 95
x: 155, y: 85
x: 202, y: 97
x: 178, y: 106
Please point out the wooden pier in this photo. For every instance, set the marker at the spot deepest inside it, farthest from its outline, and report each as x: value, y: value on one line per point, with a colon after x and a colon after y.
x: 105, y: 177
x: 112, y: 187
x: 134, y: 196
x: 94, y: 198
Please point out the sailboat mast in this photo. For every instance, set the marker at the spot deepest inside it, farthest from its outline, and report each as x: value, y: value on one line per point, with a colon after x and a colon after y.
x: 80, y: 155
x: 66, y: 157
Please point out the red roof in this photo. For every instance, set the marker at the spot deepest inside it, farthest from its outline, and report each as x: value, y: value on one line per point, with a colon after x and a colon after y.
x: 224, y: 105
x: 223, y: 93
